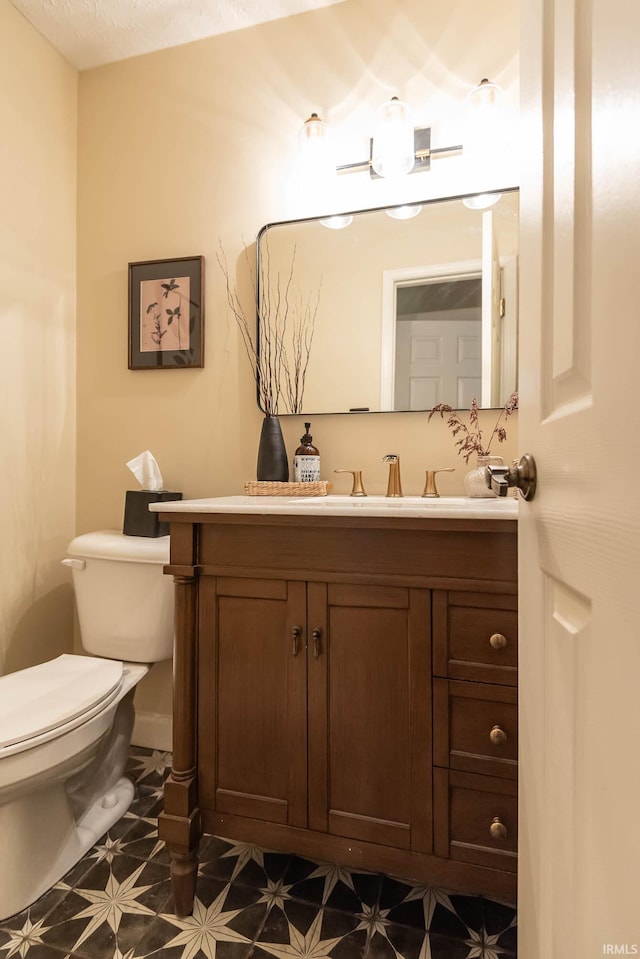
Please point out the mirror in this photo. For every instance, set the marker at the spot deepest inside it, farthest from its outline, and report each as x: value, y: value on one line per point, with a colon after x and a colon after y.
x: 411, y: 312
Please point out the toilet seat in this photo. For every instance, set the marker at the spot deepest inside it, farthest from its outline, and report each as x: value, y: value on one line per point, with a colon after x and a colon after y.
x: 45, y: 701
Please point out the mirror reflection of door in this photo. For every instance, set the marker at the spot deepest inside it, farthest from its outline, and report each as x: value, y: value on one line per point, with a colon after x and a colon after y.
x: 438, y: 342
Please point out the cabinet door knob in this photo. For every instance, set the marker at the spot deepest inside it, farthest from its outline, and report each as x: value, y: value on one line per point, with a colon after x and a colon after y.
x: 498, y: 641
x: 316, y: 635
x: 296, y: 633
x: 497, y: 829
x: 498, y: 736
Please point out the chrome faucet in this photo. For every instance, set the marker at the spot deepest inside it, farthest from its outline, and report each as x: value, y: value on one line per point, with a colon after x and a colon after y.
x: 394, y: 486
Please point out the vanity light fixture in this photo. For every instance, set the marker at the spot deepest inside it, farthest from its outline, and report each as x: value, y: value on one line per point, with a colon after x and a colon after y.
x: 398, y: 148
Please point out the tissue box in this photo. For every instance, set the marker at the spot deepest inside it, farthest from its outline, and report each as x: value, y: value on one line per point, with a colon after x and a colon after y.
x: 138, y: 521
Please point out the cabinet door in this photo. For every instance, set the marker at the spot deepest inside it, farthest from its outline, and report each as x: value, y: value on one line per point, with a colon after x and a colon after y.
x: 370, y: 713
x: 252, y: 698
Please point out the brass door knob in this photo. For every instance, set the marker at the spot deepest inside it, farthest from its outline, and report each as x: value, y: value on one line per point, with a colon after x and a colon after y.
x: 498, y: 641
x: 497, y: 829
x: 498, y: 736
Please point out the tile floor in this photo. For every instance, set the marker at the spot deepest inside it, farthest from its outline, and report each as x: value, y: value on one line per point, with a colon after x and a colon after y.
x: 116, y: 904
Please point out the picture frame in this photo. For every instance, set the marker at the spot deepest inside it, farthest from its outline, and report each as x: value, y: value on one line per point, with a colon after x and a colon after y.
x: 166, y: 313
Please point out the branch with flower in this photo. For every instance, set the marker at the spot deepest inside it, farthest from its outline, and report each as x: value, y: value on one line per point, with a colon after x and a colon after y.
x: 470, y: 439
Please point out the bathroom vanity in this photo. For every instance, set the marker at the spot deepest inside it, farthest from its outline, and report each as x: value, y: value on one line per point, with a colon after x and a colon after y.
x: 346, y: 685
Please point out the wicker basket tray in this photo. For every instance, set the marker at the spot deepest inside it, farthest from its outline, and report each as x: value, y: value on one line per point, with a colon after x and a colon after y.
x: 254, y: 488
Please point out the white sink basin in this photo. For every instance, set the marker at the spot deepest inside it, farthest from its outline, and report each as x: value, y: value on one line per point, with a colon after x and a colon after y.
x: 446, y: 507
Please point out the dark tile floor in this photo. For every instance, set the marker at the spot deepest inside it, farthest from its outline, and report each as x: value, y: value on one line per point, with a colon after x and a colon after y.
x: 116, y: 904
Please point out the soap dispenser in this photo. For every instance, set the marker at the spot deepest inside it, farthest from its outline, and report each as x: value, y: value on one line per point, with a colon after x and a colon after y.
x: 306, y: 461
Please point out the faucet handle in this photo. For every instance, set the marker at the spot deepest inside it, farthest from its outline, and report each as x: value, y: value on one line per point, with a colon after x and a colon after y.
x: 358, y: 489
x: 430, y: 488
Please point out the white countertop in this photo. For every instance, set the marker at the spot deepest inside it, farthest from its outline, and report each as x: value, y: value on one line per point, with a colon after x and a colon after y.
x: 443, y: 507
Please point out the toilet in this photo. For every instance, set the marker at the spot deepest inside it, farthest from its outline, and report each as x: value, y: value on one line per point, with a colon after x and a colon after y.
x: 65, y: 725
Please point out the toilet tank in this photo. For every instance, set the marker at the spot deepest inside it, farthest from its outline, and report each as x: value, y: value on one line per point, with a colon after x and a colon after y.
x: 124, y: 601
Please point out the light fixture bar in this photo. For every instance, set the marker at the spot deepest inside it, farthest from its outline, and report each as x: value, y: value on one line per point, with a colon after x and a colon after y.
x: 423, y: 154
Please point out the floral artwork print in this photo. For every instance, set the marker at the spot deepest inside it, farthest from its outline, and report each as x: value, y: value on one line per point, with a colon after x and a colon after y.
x: 164, y: 314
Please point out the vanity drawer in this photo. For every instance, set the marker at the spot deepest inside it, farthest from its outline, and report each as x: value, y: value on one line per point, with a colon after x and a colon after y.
x: 476, y: 819
x: 475, y: 727
x: 476, y: 637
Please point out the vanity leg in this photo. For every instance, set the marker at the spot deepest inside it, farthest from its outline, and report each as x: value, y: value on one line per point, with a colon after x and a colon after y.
x: 179, y: 826
x: 179, y: 823
x: 184, y: 870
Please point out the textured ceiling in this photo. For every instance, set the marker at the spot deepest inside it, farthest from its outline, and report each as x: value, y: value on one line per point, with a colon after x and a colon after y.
x: 89, y: 33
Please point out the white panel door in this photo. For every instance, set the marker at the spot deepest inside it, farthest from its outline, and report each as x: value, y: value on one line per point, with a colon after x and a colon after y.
x: 579, y: 867
x: 438, y: 361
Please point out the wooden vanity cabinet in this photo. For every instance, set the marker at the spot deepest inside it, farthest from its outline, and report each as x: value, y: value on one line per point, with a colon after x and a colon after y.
x: 300, y: 685
x: 325, y: 698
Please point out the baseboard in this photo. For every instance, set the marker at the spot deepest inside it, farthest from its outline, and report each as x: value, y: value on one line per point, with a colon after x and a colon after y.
x: 153, y: 731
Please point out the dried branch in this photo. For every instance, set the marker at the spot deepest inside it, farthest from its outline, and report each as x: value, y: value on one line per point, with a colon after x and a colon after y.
x: 278, y: 346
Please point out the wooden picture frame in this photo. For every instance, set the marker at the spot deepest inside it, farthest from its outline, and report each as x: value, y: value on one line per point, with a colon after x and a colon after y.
x: 166, y: 314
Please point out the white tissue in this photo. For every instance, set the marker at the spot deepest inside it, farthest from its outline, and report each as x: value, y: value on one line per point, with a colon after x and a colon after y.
x: 146, y: 471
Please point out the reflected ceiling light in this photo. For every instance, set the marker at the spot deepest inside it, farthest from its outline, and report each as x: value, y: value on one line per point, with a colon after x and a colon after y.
x: 404, y: 212
x: 481, y: 201
x: 337, y: 222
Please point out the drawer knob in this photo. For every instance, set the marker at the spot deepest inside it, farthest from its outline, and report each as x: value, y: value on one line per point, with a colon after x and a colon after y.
x: 498, y: 736
x: 497, y: 829
x: 498, y: 641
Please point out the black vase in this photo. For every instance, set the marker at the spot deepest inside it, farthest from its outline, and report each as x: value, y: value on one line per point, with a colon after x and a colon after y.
x: 273, y: 465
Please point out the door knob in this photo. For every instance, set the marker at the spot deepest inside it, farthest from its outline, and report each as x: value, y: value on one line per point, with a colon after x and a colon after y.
x: 524, y: 476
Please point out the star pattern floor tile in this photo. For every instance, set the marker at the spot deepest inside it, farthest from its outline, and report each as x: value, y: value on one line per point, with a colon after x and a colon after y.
x: 251, y: 903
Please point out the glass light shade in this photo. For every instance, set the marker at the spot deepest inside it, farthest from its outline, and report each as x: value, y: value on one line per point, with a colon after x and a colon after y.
x: 487, y: 96
x: 406, y: 212
x: 486, y: 119
x: 393, y: 152
x: 316, y: 155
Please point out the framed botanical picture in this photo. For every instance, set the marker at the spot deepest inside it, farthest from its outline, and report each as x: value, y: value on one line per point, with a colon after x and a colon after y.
x: 166, y: 314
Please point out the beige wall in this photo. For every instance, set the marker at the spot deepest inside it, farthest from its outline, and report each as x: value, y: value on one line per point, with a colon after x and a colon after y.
x: 38, y: 116
x: 195, y: 146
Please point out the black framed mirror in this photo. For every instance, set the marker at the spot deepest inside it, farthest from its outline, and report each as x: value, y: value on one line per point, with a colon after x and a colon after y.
x: 416, y: 305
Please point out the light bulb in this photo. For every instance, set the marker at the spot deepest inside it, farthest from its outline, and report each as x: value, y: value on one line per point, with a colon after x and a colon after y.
x: 316, y: 158
x: 486, y: 119
x: 392, y: 152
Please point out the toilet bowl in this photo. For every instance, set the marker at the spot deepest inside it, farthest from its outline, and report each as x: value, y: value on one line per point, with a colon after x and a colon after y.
x: 65, y: 725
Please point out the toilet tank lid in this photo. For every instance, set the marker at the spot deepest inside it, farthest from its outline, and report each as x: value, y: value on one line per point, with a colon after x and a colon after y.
x: 43, y: 697
x: 111, y: 544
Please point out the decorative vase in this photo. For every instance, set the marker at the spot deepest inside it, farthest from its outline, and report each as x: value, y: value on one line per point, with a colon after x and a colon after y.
x: 273, y: 465
x: 475, y: 483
